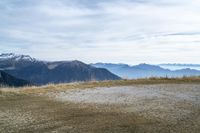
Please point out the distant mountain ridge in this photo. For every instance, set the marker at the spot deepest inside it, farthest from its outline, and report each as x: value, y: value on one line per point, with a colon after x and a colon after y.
x: 177, y: 66
x: 145, y: 71
x: 44, y: 72
x: 8, y: 80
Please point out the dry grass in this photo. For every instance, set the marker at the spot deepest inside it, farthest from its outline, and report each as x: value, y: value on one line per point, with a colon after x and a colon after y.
x: 28, y: 110
x: 38, y: 114
x: 93, y: 84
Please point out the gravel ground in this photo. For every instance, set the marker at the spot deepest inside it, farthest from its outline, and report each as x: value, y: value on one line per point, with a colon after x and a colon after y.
x: 166, y: 102
x: 131, y: 94
x: 163, y: 108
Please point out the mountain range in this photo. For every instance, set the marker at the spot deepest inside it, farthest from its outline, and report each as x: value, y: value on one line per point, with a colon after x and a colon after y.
x: 180, y: 66
x: 8, y: 80
x: 145, y: 71
x: 43, y: 72
x: 24, y: 70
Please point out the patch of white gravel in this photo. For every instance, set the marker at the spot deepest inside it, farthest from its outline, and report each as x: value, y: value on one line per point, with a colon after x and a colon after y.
x: 170, y: 102
x: 131, y: 94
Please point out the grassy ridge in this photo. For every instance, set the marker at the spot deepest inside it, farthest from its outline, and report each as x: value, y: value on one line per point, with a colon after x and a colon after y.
x: 93, y: 84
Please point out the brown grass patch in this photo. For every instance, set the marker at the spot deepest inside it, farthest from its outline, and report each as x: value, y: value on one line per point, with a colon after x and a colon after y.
x: 93, y: 84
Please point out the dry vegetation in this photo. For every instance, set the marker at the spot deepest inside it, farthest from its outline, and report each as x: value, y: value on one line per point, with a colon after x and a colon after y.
x: 29, y: 109
x: 93, y: 84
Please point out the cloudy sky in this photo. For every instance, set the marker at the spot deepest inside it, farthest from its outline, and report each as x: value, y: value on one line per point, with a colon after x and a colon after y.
x: 118, y: 31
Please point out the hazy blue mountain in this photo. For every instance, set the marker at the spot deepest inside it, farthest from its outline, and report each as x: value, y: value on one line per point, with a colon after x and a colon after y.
x: 8, y: 80
x: 180, y: 66
x: 145, y: 70
x: 42, y: 72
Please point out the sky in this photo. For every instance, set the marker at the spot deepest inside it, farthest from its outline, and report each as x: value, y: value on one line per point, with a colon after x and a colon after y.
x: 116, y: 31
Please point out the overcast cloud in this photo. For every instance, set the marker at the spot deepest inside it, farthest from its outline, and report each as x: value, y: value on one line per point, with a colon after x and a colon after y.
x: 126, y: 31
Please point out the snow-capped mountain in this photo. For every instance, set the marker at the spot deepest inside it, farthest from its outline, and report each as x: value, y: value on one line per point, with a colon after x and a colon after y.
x: 44, y: 72
x: 17, y: 57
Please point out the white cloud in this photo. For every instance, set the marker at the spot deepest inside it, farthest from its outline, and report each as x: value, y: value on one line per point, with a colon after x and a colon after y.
x: 107, y: 30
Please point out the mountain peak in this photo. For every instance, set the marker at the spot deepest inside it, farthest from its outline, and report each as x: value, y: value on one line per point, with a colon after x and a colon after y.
x: 6, y: 56
x: 146, y: 65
